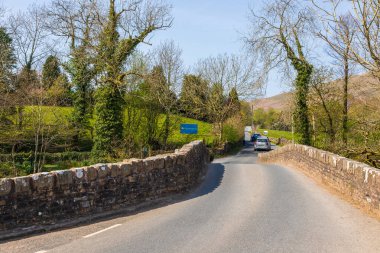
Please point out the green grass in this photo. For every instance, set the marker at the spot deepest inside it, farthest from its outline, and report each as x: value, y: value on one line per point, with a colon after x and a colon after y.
x: 53, y: 115
x: 49, y: 114
x: 280, y: 134
x: 204, y: 131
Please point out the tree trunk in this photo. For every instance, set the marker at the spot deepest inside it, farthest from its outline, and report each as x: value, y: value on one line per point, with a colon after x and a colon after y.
x: 167, y: 129
x: 304, y: 72
x: 345, y: 102
x: 20, y: 118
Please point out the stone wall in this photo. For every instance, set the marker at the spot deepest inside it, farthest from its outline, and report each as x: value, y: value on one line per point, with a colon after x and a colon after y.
x: 357, y: 181
x: 48, y: 198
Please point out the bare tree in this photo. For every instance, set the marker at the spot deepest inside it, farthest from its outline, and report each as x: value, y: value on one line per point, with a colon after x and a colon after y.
x: 29, y: 37
x: 365, y: 23
x: 323, y: 99
x: 167, y: 56
x: 229, y: 77
x: 233, y: 71
x: 278, y: 37
x: 339, y: 33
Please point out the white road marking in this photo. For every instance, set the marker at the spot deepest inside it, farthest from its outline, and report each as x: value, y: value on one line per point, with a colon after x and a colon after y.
x: 101, y: 231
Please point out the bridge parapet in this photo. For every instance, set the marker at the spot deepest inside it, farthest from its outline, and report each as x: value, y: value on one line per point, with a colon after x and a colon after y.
x: 355, y: 180
x: 39, y: 200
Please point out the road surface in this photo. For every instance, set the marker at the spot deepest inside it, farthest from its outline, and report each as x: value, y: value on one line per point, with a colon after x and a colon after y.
x: 241, y: 206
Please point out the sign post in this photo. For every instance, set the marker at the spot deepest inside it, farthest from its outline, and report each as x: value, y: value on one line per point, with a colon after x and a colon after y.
x: 189, y: 129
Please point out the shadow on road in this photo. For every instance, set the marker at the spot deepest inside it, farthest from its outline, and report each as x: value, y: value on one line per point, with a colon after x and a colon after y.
x: 211, y: 181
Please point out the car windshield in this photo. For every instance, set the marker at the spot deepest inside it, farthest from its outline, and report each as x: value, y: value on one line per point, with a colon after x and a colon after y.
x: 262, y: 140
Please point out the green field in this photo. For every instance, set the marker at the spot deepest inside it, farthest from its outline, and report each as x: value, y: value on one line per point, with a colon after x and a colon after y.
x: 279, y: 134
x: 204, y: 132
x: 52, y: 115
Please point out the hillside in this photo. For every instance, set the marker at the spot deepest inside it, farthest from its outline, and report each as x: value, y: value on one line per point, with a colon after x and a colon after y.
x: 362, y: 88
x: 277, y: 102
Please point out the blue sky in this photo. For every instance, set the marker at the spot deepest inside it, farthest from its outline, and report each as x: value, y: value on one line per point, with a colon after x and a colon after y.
x: 201, y: 28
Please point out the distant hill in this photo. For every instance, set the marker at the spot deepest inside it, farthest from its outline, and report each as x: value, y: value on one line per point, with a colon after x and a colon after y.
x: 361, y: 88
x: 278, y: 102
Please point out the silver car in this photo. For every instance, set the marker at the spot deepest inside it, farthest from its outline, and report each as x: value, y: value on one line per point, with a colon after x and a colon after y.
x: 262, y: 143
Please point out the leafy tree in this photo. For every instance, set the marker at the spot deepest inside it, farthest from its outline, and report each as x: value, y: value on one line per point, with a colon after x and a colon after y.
x: 7, y: 59
x: 193, y: 98
x: 216, y: 107
x: 233, y: 102
x: 60, y: 92
x: 82, y: 73
x: 113, y: 51
x: 50, y: 71
x: 79, y: 22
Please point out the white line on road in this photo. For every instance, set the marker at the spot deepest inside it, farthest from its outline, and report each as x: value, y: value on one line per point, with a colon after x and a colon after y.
x: 101, y: 231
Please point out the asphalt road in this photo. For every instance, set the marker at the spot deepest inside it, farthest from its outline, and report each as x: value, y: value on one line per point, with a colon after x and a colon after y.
x: 240, y: 207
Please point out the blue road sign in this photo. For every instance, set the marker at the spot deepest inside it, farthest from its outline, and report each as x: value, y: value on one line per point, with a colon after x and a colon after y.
x: 189, y: 128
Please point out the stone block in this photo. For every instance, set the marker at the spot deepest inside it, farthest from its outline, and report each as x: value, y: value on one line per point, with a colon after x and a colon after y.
x: 78, y: 174
x: 115, y: 170
x: 64, y: 177
x: 5, y: 186
x: 168, y: 162
x: 43, y: 181
x: 132, y: 179
x: 174, y: 159
x: 126, y: 168
x: 137, y: 165
x: 149, y: 163
x: 91, y: 172
x: 159, y: 162
x: 22, y: 184
x: 181, y: 159
x: 103, y: 170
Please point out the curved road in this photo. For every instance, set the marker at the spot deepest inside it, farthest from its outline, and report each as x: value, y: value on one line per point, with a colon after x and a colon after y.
x: 240, y: 207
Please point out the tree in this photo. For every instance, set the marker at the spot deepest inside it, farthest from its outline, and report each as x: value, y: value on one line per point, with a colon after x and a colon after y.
x: 50, y: 71
x: 230, y: 77
x: 193, y: 97
x: 7, y: 59
x: 166, y: 81
x: 29, y: 37
x: 365, y: 48
x: 7, y: 64
x: 138, y: 20
x: 339, y: 33
x: 324, y: 99
x: 216, y: 107
x: 79, y: 22
x: 277, y: 36
x: 233, y: 101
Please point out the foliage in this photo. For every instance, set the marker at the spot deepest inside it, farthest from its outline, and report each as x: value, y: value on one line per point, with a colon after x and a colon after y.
x: 281, y: 134
x: 7, y: 60
x: 194, y: 96
x: 277, y: 37
x: 108, y: 121
x: 233, y: 129
x: 81, y: 72
x: 59, y: 93
x: 113, y: 51
x: 270, y: 119
x: 50, y: 71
